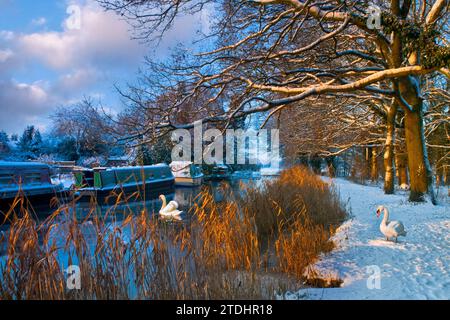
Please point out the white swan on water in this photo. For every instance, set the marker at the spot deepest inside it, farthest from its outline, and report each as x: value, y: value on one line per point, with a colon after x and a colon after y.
x: 391, y: 229
x: 170, y: 209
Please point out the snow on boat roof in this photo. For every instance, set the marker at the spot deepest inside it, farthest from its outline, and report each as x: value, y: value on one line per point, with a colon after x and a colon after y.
x: 221, y: 165
x: 181, y: 163
x: 119, y: 158
x: 10, y: 164
x: 159, y: 165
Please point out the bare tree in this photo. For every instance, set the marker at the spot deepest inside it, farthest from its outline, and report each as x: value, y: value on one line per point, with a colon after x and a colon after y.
x: 275, y: 53
x: 84, y: 122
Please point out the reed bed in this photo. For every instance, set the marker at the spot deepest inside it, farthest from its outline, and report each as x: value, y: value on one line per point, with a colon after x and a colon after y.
x: 256, y: 244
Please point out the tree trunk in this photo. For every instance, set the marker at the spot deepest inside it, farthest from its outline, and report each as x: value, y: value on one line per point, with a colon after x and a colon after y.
x: 330, y: 165
x: 445, y: 176
x: 367, y: 166
x: 373, y: 165
x: 438, y: 177
x: 389, y: 167
x: 420, y: 174
x: 419, y: 168
x: 401, y: 164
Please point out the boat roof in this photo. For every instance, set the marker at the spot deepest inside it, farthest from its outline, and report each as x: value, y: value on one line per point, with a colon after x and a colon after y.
x: 181, y: 163
x: 221, y: 165
x: 159, y: 165
x: 123, y: 158
x: 23, y: 165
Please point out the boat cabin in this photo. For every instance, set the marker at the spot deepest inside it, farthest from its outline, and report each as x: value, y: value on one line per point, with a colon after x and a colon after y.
x: 186, y: 173
x: 105, y: 182
x: 29, y: 179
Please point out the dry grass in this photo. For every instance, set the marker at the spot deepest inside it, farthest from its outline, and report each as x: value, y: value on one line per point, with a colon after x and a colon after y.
x: 297, y: 213
x: 254, y: 245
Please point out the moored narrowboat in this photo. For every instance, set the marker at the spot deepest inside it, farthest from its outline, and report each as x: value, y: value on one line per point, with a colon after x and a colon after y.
x: 106, y: 185
x: 30, y: 180
x: 220, y: 172
x: 186, y: 174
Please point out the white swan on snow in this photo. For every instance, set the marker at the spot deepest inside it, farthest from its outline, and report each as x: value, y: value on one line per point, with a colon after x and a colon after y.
x: 170, y: 209
x: 391, y: 229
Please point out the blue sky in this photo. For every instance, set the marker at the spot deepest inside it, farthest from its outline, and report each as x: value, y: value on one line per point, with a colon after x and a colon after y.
x: 45, y: 64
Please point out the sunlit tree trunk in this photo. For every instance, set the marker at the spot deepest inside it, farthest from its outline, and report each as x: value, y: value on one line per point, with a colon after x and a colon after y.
x: 438, y: 176
x: 445, y: 176
x: 420, y: 173
x: 401, y: 165
x: 389, y: 167
x: 367, y: 164
x: 373, y: 165
x: 410, y: 97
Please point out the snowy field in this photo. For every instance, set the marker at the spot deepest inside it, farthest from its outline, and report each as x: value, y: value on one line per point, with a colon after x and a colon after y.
x: 417, y: 267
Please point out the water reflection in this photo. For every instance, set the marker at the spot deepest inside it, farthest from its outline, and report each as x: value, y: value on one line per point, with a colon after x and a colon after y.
x: 115, y: 214
x: 184, y: 196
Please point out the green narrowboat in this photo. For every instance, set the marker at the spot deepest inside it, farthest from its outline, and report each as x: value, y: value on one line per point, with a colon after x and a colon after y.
x: 137, y: 183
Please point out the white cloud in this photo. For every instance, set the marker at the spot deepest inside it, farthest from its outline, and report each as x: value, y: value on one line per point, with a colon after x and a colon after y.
x: 102, y: 40
x: 6, y: 35
x: 22, y: 104
x: 52, y: 48
x: 5, y: 55
x: 77, y: 81
x: 39, y: 21
x: 80, y: 62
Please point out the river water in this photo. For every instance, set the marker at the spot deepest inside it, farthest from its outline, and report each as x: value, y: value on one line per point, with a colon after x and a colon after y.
x: 184, y: 196
x: 115, y: 214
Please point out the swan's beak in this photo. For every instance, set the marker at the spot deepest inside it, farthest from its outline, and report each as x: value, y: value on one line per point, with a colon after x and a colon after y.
x: 378, y: 213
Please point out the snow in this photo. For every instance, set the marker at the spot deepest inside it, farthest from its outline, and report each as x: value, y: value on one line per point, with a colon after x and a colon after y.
x: 270, y: 171
x: 417, y: 267
x: 67, y: 180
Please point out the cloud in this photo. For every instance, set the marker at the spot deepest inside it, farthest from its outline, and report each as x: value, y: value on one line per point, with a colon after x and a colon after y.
x: 77, y: 81
x: 39, y: 21
x: 22, y: 104
x: 58, y: 67
x: 10, y: 59
x: 68, y: 64
x: 6, y: 50
x: 6, y: 35
x: 5, y: 55
x: 101, y: 40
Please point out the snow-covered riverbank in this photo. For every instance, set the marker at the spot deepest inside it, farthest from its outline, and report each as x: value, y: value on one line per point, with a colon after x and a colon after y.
x: 418, y: 267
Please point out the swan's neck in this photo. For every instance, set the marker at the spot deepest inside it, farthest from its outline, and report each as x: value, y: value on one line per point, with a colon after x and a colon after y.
x: 385, y: 216
x: 164, y: 202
